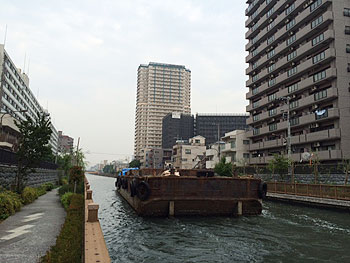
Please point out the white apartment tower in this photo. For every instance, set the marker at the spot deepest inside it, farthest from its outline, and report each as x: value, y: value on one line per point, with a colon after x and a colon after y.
x: 161, y: 89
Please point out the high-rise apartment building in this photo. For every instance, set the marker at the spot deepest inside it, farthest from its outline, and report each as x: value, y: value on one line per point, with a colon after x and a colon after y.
x: 161, y: 88
x: 16, y: 96
x: 214, y: 126
x: 176, y: 126
x: 299, y: 55
x: 65, y: 143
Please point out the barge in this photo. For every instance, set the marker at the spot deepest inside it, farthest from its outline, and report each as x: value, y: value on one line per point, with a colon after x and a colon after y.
x: 195, y: 192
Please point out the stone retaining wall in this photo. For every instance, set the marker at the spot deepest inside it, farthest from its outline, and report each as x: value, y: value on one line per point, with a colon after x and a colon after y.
x: 336, y: 179
x: 8, y: 175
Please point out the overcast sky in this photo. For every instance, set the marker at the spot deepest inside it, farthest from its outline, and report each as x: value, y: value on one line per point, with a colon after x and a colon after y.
x: 84, y: 57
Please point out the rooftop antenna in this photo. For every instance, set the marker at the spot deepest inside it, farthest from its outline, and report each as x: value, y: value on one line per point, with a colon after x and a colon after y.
x: 5, y: 35
x: 24, y: 66
x: 28, y: 67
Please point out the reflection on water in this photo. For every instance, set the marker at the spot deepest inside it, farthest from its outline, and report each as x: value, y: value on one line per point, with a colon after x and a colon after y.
x: 283, y: 233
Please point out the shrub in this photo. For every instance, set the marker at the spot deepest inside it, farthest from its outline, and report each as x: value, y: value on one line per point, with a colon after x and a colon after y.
x: 10, y: 203
x: 222, y: 168
x: 76, y: 174
x: 66, y: 199
x: 29, y: 195
x: 68, y: 246
x: 48, y: 186
x: 70, y: 188
x: 41, y: 190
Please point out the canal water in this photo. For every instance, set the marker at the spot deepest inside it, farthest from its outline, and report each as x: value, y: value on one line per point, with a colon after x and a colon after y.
x: 283, y: 233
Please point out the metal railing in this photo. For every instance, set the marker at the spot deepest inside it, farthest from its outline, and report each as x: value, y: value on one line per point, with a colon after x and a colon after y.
x: 339, y: 192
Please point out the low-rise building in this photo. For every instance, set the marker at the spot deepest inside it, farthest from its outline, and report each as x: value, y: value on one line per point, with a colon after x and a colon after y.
x: 155, y: 158
x: 186, y: 155
x: 9, y: 133
x: 234, y: 146
x: 65, y: 143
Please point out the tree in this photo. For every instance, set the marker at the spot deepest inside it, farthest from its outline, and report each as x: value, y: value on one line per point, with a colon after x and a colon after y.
x: 222, y: 168
x: 135, y: 164
x: 33, y: 146
x: 109, y: 169
x: 279, y: 164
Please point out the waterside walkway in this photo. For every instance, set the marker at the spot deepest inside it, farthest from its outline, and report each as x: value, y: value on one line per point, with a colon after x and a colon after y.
x: 28, y: 234
x: 308, y: 200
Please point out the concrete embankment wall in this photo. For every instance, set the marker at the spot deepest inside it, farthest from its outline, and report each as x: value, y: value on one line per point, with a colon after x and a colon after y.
x: 336, y: 179
x: 95, y: 249
x: 8, y: 175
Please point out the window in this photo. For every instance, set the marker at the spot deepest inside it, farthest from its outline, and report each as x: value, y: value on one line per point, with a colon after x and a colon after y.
x: 319, y: 57
x: 347, y: 30
x: 294, y: 121
x: 290, y: 9
x: 187, y: 151
x: 256, y: 77
x: 273, y: 127
x: 254, y: 14
x: 197, y: 141
x: 318, y: 39
x: 270, y: 54
x: 293, y: 104
x: 271, y: 68
x: 270, y: 39
x: 272, y: 97
x: 256, y: 117
x: 256, y: 131
x: 273, y: 112
x: 317, y: 21
x: 319, y: 76
x: 254, y: 40
x: 271, y: 82
x: 315, y: 4
x: 271, y: 25
x: 290, y: 24
x: 246, y: 155
x: 255, y: 27
x: 233, y: 144
x: 292, y: 55
x: 270, y: 12
x: 292, y: 88
x: 255, y: 52
x: 255, y: 91
x: 292, y: 71
x: 255, y: 104
x: 268, y: 1
x: 246, y: 142
x: 291, y: 40
x: 255, y: 64
x: 347, y: 48
x: 346, y: 11
x: 320, y: 95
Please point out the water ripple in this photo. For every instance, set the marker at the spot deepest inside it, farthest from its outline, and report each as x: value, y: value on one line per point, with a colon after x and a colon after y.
x: 283, y: 233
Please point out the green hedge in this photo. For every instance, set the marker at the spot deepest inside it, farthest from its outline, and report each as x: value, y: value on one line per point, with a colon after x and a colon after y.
x: 68, y: 248
x: 70, y: 188
x: 66, y: 199
x: 10, y: 203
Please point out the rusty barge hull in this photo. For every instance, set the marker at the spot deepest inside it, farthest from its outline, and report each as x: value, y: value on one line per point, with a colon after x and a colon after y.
x: 192, y: 196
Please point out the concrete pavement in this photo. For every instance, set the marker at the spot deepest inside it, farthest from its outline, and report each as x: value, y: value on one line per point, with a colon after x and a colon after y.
x: 28, y: 234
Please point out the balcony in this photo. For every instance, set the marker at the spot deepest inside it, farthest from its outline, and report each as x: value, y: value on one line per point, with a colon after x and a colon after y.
x: 301, y: 35
x: 301, y: 68
x: 302, y: 103
x: 331, y: 73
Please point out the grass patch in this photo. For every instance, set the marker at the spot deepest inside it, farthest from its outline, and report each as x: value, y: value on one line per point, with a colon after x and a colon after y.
x: 68, y: 248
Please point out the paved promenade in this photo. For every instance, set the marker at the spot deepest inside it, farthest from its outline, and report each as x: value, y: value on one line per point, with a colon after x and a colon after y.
x: 323, y: 202
x: 28, y: 234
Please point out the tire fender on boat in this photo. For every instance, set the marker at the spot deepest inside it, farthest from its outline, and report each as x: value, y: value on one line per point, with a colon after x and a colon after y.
x: 262, y: 190
x: 133, y: 186
x: 143, y: 191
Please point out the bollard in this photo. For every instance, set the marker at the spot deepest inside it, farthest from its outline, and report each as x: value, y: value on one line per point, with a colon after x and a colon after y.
x: 93, y: 212
x: 87, y: 186
x: 89, y: 194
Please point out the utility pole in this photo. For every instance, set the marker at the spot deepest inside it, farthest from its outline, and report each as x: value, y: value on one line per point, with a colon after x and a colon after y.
x: 219, y: 150
x: 289, y: 136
